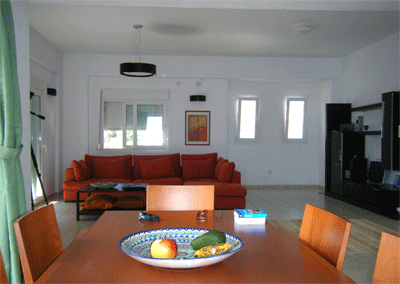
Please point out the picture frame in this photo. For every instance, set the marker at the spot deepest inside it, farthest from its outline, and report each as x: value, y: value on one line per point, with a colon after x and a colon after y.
x: 197, y: 127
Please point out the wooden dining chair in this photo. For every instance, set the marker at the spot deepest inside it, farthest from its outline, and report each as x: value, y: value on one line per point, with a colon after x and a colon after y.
x: 39, y: 241
x: 180, y: 197
x: 3, y: 274
x: 325, y: 233
x: 387, y: 267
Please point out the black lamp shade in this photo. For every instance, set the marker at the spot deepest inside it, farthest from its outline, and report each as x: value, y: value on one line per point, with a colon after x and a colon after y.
x: 137, y: 69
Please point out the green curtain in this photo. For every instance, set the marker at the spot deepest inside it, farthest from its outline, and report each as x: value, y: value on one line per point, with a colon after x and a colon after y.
x: 12, y: 193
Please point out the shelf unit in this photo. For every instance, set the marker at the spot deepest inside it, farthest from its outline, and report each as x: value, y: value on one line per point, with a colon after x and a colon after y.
x: 354, y: 188
x: 368, y: 108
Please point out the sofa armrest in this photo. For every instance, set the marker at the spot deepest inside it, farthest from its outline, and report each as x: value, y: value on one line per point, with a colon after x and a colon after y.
x: 69, y: 174
x: 236, y: 177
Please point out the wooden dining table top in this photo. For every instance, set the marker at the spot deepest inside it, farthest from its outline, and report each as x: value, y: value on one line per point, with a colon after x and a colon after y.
x: 269, y: 254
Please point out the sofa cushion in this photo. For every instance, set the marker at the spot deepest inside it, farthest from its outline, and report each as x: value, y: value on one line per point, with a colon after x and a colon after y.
x: 198, y: 168
x: 199, y: 156
x: 175, y: 158
x: 69, y: 174
x: 130, y: 201
x: 81, y: 170
x: 99, y: 201
x: 218, y: 165
x: 157, y: 168
x: 226, y: 172
x: 230, y: 202
x: 160, y: 181
x: 220, y: 188
x: 110, y: 166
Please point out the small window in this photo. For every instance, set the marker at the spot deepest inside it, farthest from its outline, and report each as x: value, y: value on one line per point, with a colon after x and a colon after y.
x: 129, y: 124
x: 295, y: 118
x: 247, y: 119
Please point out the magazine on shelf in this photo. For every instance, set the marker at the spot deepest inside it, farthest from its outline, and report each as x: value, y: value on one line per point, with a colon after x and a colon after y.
x: 131, y: 186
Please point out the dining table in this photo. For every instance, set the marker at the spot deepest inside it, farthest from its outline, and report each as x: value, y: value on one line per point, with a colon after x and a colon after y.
x: 269, y: 254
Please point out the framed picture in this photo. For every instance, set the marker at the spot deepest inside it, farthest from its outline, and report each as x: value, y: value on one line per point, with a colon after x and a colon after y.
x: 197, y: 127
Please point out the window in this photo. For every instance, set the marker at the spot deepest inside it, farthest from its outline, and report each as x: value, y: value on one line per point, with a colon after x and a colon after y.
x: 247, y: 119
x: 295, y: 119
x: 134, y: 124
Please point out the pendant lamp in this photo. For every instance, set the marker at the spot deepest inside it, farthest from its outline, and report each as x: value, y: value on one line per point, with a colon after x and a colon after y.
x: 137, y: 69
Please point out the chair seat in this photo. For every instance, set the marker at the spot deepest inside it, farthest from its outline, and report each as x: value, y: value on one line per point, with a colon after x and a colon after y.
x: 387, y: 267
x: 325, y: 233
x: 39, y: 241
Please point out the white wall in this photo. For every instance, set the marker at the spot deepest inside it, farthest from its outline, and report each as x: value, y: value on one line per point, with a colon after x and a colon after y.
x: 221, y: 78
x: 46, y: 63
x: 272, y: 160
x: 367, y: 74
x: 215, y: 91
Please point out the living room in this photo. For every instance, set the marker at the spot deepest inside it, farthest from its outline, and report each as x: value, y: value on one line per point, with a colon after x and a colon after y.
x: 71, y: 125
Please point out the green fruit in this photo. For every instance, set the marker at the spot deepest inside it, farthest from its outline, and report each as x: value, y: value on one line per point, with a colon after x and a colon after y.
x: 208, y: 239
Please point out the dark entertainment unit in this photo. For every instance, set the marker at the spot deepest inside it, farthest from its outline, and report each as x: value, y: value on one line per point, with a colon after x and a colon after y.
x: 345, y: 164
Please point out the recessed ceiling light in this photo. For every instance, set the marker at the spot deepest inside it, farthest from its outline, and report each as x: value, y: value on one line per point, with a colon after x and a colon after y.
x: 303, y: 28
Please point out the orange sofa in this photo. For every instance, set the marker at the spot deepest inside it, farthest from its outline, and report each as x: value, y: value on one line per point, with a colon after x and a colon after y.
x: 170, y: 169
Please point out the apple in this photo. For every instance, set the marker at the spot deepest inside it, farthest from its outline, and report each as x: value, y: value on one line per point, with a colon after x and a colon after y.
x: 163, y: 248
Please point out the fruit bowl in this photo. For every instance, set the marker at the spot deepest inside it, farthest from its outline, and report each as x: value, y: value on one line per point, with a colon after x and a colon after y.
x: 137, y: 246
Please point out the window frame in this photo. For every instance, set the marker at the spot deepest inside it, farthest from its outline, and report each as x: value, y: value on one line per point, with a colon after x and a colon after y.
x: 286, y: 120
x: 238, y: 107
x: 135, y: 102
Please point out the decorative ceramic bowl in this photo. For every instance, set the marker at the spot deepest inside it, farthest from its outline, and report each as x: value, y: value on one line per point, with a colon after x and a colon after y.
x: 104, y: 184
x: 138, y: 245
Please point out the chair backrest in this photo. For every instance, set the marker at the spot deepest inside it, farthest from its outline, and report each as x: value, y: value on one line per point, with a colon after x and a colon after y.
x: 180, y: 197
x: 325, y: 233
x: 387, y: 267
x: 39, y: 241
x: 3, y: 274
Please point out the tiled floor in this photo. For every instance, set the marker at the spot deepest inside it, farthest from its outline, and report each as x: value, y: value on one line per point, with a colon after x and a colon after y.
x: 280, y: 204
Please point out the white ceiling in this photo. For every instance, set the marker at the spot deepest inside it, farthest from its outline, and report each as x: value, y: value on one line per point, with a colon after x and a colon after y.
x: 214, y: 27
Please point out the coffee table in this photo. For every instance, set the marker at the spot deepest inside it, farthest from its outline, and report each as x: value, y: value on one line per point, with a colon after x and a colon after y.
x: 138, y: 189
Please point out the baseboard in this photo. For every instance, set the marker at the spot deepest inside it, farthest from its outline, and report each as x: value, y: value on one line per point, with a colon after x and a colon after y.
x: 287, y: 187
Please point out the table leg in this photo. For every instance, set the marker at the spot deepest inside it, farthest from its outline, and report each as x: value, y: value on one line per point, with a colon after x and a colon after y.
x: 77, y: 205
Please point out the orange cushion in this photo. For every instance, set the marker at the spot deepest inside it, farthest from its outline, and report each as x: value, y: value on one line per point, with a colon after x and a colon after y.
x: 218, y: 166
x: 81, y: 171
x: 99, y: 201
x: 110, y: 166
x: 69, y: 174
x: 130, y: 201
x: 175, y: 158
x: 199, y: 156
x: 157, y: 168
x: 226, y: 172
x: 197, y: 168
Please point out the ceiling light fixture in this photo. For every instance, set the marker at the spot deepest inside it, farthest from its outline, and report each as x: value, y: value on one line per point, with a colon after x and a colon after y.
x: 137, y: 69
